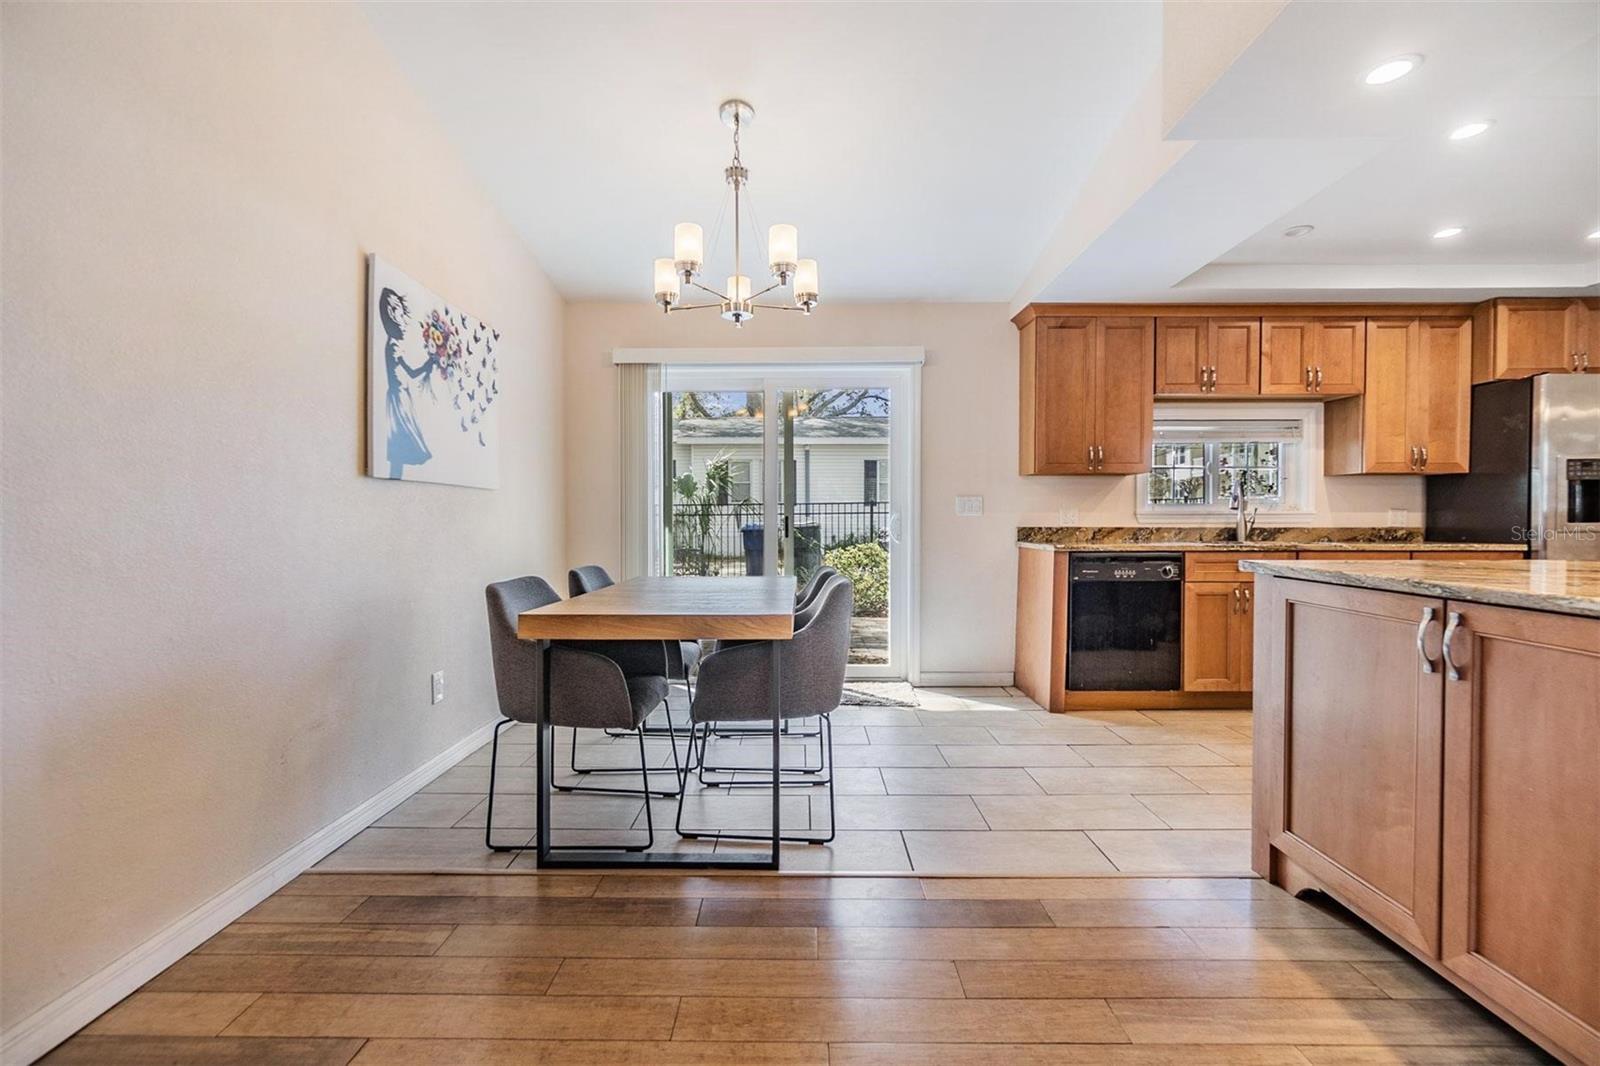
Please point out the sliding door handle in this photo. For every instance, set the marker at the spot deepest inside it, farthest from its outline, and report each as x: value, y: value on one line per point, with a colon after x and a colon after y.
x: 1428, y: 664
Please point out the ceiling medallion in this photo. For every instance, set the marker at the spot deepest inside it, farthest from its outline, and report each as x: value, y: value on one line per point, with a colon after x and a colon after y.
x: 737, y: 302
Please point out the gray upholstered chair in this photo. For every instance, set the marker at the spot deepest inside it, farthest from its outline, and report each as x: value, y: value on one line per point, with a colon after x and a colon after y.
x: 813, y: 586
x: 682, y: 655
x: 593, y: 685
x: 734, y: 688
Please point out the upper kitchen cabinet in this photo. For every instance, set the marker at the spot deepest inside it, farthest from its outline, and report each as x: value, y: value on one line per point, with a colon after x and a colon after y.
x: 1313, y: 357
x: 1413, y: 417
x: 1088, y: 387
x: 1521, y: 338
x: 1205, y: 357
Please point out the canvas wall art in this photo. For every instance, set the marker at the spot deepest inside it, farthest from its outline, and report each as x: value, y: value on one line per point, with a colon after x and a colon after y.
x: 433, y: 386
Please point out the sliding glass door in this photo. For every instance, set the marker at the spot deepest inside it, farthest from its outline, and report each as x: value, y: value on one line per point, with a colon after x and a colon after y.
x: 785, y: 469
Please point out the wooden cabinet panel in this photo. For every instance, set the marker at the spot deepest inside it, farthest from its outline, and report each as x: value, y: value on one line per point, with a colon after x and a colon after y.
x: 1451, y: 557
x: 1088, y: 389
x: 1287, y: 356
x: 1413, y: 416
x: 1213, y: 631
x: 1182, y: 354
x: 1439, y: 386
x: 1235, y: 345
x: 1347, y: 556
x: 1387, y: 446
x: 1349, y: 725
x: 1057, y: 396
x: 1318, y: 357
x: 1517, y: 338
x: 1341, y: 354
x: 1521, y: 893
x: 1223, y: 566
x: 1124, y: 394
x: 1208, y: 356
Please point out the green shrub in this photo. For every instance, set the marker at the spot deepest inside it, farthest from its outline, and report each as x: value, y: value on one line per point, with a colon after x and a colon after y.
x: 867, y: 567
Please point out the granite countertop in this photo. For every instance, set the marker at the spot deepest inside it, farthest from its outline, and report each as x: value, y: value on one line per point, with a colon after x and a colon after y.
x: 1541, y: 584
x: 1220, y: 539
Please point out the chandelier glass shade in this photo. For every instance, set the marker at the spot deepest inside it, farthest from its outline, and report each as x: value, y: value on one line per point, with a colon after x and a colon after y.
x: 738, y: 299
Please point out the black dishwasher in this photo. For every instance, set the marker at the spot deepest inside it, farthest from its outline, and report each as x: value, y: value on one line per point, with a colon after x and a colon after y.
x: 1124, y: 623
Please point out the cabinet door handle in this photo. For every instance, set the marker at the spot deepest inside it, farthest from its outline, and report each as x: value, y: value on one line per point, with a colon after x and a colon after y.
x: 1424, y: 452
x: 1452, y: 669
x: 1413, y: 457
x: 1090, y: 456
x: 1422, y: 640
x: 1238, y: 600
x: 1319, y: 379
x: 1310, y: 374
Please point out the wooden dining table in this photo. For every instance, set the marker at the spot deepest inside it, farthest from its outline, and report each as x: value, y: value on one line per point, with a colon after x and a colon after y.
x: 662, y: 608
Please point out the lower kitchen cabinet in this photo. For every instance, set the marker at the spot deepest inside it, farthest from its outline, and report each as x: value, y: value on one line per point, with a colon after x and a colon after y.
x: 1432, y: 765
x: 1216, y: 636
x: 1521, y: 916
x: 1350, y: 788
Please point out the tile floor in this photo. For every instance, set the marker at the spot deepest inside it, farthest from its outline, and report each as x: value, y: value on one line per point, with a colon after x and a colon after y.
x: 971, y: 781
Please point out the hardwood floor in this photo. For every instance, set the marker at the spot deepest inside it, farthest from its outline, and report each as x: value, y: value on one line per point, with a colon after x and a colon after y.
x: 640, y: 970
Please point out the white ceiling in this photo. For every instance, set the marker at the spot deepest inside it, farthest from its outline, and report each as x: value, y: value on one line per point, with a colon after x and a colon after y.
x: 923, y: 150
x: 1020, y: 151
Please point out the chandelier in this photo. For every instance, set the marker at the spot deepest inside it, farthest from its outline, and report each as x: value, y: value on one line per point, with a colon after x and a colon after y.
x: 737, y: 302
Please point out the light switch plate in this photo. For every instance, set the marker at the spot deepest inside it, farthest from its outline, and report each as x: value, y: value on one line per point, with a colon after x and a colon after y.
x: 969, y: 506
x: 438, y: 686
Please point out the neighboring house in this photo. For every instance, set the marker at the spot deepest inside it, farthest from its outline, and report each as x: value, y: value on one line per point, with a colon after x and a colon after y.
x: 837, y: 460
x: 841, y: 469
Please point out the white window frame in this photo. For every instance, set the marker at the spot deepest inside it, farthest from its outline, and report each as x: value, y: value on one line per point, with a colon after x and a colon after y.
x: 1301, y: 472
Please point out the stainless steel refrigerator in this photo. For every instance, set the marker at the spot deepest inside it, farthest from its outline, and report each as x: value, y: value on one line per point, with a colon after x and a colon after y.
x: 1535, y: 470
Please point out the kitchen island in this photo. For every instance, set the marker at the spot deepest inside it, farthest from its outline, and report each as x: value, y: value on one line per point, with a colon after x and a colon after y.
x: 1427, y: 752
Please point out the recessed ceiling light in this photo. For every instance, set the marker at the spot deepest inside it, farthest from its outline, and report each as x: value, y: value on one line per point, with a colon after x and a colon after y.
x: 1449, y: 231
x: 1471, y: 129
x: 1393, y: 69
x: 1298, y: 231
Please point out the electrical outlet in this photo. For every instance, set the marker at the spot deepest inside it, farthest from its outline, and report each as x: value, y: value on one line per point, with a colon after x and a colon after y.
x: 438, y: 686
x: 969, y: 506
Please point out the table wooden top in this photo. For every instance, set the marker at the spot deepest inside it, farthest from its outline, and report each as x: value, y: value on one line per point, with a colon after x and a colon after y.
x: 667, y: 608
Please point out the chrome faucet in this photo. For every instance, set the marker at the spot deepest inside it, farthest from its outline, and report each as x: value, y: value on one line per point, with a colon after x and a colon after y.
x: 1245, y: 519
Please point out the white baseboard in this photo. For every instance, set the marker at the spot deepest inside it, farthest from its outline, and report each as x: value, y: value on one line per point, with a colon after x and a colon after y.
x: 968, y: 678
x: 48, y: 1026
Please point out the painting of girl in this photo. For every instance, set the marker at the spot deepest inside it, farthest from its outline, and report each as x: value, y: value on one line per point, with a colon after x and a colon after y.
x: 433, y: 382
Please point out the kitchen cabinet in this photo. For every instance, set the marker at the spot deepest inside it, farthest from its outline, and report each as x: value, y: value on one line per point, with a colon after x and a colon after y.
x: 1349, y: 785
x: 1087, y: 395
x: 1413, y: 415
x: 1218, y: 626
x: 1517, y: 338
x: 1521, y: 917
x: 1314, y: 357
x: 1444, y: 789
x: 1208, y: 357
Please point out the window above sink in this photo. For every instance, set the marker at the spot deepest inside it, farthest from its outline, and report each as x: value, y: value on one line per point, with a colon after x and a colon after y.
x: 1200, y: 451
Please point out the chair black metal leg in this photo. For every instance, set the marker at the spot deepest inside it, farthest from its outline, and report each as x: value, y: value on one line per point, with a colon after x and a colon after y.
x: 826, y: 730
x: 805, y: 770
x: 488, y: 818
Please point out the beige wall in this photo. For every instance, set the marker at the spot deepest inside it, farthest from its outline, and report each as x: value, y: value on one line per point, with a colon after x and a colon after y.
x: 969, y: 447
x: 217, y: 632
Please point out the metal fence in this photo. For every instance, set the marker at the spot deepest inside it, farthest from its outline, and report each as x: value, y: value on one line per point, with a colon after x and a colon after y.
x: 710, y: 540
